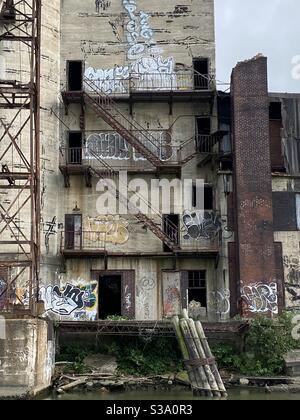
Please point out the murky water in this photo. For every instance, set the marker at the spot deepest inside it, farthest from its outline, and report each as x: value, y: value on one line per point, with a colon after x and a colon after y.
x: 173, y: 395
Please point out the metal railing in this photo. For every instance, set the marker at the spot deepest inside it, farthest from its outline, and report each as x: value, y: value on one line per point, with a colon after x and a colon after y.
x: 83, y: 240
x: 107, y: 147
x: 187, y: 81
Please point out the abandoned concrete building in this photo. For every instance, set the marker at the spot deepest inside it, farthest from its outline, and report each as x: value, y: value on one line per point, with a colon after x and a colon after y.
x: 130, y: 86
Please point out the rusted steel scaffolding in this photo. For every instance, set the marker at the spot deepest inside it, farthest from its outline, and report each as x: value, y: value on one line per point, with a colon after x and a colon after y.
x: 20, y: 27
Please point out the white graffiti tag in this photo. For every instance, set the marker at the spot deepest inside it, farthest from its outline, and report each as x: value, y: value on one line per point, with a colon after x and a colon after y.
x: 220, y: 302
x: 64, y: 302
x: 147, y: 68
x: 261, y: 298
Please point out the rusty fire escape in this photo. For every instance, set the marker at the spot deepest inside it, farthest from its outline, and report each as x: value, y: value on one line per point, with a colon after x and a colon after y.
x: 20, y: 28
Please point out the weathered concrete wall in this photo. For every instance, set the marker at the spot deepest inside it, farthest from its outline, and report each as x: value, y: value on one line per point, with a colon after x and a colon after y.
x: 290, y: 241
x: 27, y: 354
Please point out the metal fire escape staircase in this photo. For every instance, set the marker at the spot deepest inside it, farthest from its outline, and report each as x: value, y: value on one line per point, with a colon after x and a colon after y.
x: 169, y: 236
x: 136, y: 135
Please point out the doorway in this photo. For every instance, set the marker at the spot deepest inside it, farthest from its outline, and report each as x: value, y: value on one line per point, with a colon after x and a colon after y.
x: 110, y: 296
x: 201, y: 73
x: 75, y: 148
x: 171, y: 228
x: 73, y: 231
x: 75, y: 75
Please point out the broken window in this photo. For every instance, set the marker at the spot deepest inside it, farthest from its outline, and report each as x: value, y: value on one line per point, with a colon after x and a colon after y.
x: 201, y: 73
x: 75, y: 75
x: 75, y: 148
x: 197, y: 288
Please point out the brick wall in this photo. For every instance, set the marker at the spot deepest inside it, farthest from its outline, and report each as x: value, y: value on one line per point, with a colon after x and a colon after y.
x: 253, y: 184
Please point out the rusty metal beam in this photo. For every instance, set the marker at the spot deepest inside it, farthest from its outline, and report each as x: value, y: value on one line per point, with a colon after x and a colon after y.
x: 21, y: 23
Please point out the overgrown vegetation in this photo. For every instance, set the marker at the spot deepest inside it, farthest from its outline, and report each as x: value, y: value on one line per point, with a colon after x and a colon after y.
x: 135, y: 356
x: 266, y: 344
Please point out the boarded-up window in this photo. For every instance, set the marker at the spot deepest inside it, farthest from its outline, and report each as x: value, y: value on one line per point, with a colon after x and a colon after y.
x: 171, y: 293
x: 284, y: 207
x: 184, y: 286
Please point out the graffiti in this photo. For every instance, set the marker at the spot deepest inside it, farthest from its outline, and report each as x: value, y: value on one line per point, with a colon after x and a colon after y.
x: 109, y: 229
x: 114, y: 147
x: 196, y: 310
x: 64, y: 302
x: 79, y: 302
x: 127, y: 298
x: 219, y: 302
x: 201, y: 225
x: 292, y: 264
x: 261, y: 298
x: 294, y: 293
x: 148, y: 283
x: 148, y: 67
x: 102, y: 4
x: 49, y: 230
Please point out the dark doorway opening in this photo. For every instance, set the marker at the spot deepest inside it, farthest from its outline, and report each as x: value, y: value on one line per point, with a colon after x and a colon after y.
x: 75, y: 75
x: 201, y: 73
x: 73, y: 231
x: 203, y: 125
x: 171, y: 228
x: 110, y: 296
x: 203, y: 130
x: 75, y: 148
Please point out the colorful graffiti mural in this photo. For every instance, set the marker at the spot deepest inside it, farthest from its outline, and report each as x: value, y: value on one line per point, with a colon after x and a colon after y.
x: 79, y: 302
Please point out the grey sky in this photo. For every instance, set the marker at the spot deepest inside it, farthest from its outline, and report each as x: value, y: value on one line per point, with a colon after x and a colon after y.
x: 272, y: 27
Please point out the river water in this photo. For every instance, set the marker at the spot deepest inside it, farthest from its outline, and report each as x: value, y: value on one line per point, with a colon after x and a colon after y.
x: 174, y: 395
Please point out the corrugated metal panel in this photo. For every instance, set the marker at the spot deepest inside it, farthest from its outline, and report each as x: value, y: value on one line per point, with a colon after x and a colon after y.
x: 298, y: 210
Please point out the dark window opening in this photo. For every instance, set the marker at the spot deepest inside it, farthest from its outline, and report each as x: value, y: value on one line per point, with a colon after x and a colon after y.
x: 277, y: 159
x: 201, y: 73
x: 208, y: 197
x: 110, y: 296
x: 73, y: 231
x: 203, y: 125
x: 197, y: 287
x: 226, y: 165
x: 75, y: 148
x: 171, y: 229
x: 75, y: 75
x: 8, y: 10
x: 275, y: 112
x: 203, y: 140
